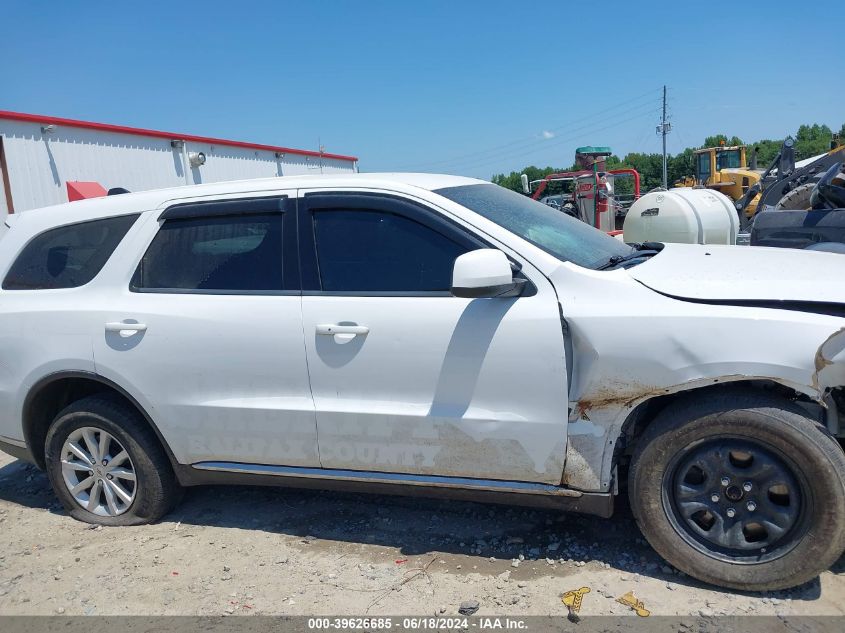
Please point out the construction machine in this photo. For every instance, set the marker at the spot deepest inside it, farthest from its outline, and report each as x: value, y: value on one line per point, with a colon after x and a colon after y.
x: 818, y: 226
x: 726, y: 170
x: 590, y: 192
x: 787, y: 184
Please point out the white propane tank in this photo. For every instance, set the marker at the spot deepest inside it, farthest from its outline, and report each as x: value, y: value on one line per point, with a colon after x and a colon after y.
x: 683, y: 215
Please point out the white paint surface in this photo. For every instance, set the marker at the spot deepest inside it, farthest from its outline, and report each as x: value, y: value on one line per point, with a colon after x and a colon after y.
x: 437, y: 385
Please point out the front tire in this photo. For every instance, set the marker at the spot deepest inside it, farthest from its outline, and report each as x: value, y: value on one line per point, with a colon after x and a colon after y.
x: 798, y: 198
x: 107, y: 466
x: 742, y: 490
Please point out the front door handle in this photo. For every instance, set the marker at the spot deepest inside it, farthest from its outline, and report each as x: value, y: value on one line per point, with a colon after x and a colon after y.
x: 332, y: 329
x: 342, y: 333
x: 119, y: 326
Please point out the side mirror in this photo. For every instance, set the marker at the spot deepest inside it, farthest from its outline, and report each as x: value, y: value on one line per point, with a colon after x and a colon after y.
x: 484, y: 273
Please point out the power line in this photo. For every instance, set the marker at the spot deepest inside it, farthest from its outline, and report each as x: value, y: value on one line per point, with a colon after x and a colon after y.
x: 581, y: 131
x: 578, y: 132
x: 564, y: 140
x: 525, y: 143
x: 647, y: 134
x: 534, y: 140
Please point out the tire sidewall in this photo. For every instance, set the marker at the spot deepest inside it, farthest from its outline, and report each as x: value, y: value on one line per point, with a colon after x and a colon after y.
x: 821, y: 543
x: 147, y: 485
x: 796, y: 199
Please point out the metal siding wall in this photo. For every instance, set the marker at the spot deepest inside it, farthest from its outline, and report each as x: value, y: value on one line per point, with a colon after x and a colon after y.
x: 40, y: 164
x: 224, y: 162
x: 4, y: 207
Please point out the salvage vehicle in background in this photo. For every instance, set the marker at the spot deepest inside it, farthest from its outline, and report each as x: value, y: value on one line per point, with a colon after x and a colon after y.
x: 562, y: 202
x: 426, y: 334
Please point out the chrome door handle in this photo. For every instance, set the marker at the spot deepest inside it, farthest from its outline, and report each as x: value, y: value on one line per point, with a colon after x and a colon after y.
x: 117, y: 326
x: 332, y: 329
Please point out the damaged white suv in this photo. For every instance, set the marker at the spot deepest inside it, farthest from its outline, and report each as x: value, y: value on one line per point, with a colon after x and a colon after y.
x: 434, y: 335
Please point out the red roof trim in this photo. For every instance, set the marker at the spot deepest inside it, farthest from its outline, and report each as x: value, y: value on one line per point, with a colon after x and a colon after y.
x: 106, y: 127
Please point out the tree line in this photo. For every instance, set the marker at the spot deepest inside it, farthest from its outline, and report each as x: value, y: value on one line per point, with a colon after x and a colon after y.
x: 810, y: 140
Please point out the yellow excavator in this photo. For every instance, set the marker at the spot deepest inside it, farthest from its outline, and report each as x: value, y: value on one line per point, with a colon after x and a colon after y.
x: 725, y: 169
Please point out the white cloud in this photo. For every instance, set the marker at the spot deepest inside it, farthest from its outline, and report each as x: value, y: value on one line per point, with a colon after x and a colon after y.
x: 547, y: 134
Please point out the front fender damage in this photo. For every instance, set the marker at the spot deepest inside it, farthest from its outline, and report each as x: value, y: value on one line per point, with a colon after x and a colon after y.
x: 830, y: 363
x: 599, y: 412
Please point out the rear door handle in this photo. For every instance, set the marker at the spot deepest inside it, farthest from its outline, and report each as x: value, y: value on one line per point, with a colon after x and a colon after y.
x: 118, y: 326
x: 332, y: 329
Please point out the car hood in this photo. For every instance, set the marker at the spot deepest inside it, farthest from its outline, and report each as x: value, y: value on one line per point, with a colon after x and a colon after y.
x: 744, y: 273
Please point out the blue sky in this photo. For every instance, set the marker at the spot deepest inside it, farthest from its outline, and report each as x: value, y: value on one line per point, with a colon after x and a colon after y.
x: 463, y: 87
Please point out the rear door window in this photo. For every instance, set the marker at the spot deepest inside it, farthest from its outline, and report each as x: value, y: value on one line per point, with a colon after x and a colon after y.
x: 229, y: 253
x: 67, y: 256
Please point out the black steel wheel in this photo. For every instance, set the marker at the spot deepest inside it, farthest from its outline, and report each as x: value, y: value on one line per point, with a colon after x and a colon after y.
x: 736, y: 499
x: 740, y: 489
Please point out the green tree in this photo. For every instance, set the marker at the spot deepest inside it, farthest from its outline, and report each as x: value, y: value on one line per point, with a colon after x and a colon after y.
x: 767, y: 149
x: 680, y: 165
x: 812, y: 140
x: 650, y: 167
x: 716, y: 141
x: 513, y: 180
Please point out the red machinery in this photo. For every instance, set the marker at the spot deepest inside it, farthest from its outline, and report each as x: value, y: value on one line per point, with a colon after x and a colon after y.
x: 594, y: 198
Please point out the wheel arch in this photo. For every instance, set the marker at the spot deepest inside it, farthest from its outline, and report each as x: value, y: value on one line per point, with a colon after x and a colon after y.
x: 641, y: 416
x: 55, y: 391
x: 699, y: 449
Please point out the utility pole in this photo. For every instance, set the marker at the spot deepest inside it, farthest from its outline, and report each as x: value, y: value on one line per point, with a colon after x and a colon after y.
x: 663, y: 129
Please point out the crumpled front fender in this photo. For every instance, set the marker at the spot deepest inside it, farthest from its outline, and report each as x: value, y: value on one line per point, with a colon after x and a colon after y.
x: 830, y: 362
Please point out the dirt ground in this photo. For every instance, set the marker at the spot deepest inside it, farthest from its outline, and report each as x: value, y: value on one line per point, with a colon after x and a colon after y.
x: 232, y: 550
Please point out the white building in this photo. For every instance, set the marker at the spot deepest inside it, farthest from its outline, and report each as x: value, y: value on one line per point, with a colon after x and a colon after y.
x: 40, y: 155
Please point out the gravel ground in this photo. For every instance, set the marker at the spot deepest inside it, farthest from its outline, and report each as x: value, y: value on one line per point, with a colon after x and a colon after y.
x: 232, y: 550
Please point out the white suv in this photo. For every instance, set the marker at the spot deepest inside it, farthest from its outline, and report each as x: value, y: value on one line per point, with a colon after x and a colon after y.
x: 428, y: 334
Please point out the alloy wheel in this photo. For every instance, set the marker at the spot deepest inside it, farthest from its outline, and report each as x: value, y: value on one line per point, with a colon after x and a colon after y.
x: 98, y: 472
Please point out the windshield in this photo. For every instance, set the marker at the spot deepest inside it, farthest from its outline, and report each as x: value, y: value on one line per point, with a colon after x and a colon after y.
x: 558, y: 234
x: 728, y: 159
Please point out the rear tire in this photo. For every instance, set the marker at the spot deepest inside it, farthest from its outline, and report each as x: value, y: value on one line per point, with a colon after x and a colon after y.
x: 742, y: 490
x: 107, y: 466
